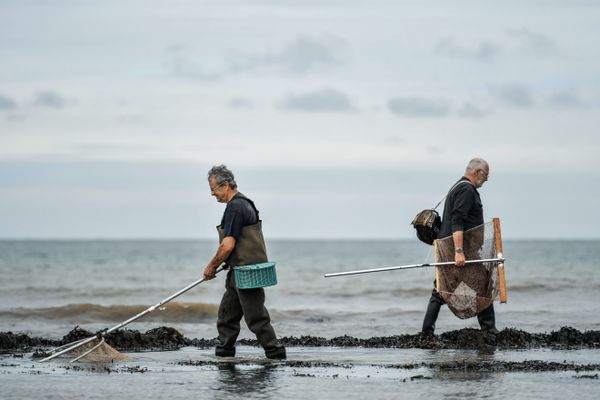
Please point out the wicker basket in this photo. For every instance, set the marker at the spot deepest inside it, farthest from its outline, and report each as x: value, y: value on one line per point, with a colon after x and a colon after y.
x: 255, y: 275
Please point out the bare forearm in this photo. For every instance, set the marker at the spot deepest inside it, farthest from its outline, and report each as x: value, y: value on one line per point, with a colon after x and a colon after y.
x: 458, y: 239
x: 225, y: 248
x: 218, y: 259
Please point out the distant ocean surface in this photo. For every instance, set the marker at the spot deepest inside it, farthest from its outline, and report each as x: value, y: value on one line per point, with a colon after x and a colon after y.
x: 48, y: 287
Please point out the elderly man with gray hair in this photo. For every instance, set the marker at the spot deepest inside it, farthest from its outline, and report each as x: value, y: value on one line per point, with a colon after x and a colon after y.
x: 462, y: 211
x: 241, y: 243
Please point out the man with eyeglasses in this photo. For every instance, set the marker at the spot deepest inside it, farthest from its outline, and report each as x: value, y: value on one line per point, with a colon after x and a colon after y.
x: 241, y: 243
x: 462, y: 211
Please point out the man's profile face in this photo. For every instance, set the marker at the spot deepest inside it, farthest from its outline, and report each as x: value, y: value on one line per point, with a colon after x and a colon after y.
x: 218, y: 190
x: 482, y: 176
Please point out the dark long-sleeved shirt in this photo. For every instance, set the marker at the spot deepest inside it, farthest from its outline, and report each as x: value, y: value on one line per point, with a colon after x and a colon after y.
x: 462, y: 210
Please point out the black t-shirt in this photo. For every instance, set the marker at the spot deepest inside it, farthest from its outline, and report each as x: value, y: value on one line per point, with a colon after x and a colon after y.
x: 240, y: 211
x: 462, y: 210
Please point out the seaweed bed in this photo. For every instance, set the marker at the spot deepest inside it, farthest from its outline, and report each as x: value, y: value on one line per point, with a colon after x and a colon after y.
x: 462, y: 366
x: 167, y: 338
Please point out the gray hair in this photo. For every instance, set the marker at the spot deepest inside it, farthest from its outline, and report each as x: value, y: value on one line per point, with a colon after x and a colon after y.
x: 222, y: 174
x: 475, y: 164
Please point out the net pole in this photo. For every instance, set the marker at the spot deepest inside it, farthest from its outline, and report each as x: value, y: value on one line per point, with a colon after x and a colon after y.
x: 434, y: 264
x: 437, y: 270
x: 159, y: 304
x: 499, y: 254
x: 74, y: 346
x: 64, y: 346
x: 87, y: 352
x: 78, y: 343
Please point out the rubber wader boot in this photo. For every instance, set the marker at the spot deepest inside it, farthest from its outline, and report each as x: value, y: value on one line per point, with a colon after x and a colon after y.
x: 224, y: 351
x: 431, y: 315
x: 487, y: 320
x: 276, y: 353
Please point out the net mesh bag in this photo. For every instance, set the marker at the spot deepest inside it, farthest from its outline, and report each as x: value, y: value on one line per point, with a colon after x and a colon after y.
x: 470, y: 289
x: 98, y: 351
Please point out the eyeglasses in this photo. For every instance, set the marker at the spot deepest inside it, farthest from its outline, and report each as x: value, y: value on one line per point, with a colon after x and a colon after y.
x: 212, y: 190
x: 485, y: 174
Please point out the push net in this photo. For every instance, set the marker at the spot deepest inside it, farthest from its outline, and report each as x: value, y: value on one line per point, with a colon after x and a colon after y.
x: 96, y: 350
x: 470, y: 289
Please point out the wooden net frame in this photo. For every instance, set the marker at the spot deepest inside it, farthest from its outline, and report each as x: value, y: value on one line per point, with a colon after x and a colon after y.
x: 470, y: 289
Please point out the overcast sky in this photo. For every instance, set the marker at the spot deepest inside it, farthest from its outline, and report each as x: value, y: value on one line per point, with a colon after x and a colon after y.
x: 341, y: 119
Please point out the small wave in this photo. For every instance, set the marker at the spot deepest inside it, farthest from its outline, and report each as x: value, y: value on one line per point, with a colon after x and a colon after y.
x: 419, y: 292
x: 82, y: 291
x: 553, y: 287
x: 312, y: 315
x: 370, y: 292
x: 172, y: 312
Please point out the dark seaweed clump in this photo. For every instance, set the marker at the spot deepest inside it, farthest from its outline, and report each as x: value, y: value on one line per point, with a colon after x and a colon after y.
x: 467, y: 338
x: 20, y: 342
x: 163, y: 338
x: 167, y: 338
x: 444, y: 366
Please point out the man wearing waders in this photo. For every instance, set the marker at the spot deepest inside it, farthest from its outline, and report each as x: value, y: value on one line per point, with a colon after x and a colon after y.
x: 462, y: 211
x: 241, y: 243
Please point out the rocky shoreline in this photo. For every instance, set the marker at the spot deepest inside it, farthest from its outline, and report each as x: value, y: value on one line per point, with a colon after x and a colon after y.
x: 167, y: 338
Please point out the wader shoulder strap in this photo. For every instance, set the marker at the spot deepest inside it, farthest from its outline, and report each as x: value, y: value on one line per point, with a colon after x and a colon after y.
x: 241, y: 196
x: 250, y: 247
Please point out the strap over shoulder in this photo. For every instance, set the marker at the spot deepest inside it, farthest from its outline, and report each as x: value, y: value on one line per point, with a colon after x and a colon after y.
x: 450, y: 191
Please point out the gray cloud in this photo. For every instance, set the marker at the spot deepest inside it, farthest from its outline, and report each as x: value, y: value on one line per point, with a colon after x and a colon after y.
x: 514, y: 95
x: 565, y: 99
x: 484, y: 51
x: 436, y: 150
x: 99, y: 148
x: 300, y: 56
x: 131, y: 118
x: 393, y: 140
x: 7, y: 103
x: 306, y: 53
x: 238, y: 102
x: 418, y: 107
x: 182, y: 63
x: 49, y: 99
x: 469, y: 110
x: 534, y: 42
x: 324, y: 100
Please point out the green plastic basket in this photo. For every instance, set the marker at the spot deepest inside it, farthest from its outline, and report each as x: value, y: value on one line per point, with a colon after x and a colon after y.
x: 255, y: 275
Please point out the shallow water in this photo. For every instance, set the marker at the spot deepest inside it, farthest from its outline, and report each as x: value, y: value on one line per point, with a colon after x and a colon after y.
x: 332, y: 373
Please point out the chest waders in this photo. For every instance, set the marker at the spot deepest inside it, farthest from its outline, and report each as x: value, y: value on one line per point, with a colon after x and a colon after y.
x: 236, y: 303
x: 249, y: 248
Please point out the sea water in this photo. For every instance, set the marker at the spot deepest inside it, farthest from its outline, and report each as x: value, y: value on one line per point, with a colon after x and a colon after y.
x: 48, y: 287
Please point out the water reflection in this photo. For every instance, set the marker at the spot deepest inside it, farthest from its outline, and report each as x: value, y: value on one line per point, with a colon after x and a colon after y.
x: 255, y: 381
x: 466, y: 374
